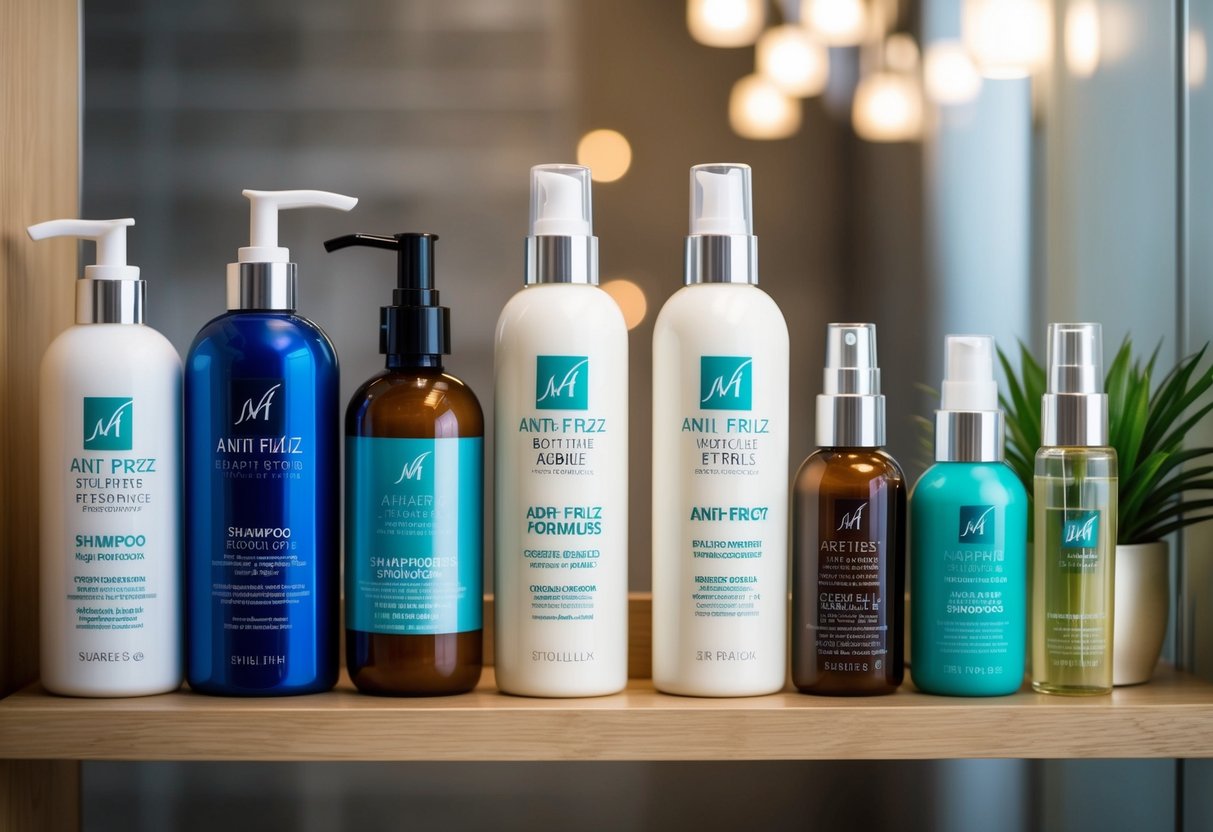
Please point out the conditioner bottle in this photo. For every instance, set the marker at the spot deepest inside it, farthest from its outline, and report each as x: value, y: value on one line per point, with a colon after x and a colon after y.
x: 968, y: 533
x: 720, y: 459
x: 849, y: 534
x: 1075, y: 534
x: 261, y: 478
x: 561, y: 403
x: 414, y: 498
x: 110, y: 449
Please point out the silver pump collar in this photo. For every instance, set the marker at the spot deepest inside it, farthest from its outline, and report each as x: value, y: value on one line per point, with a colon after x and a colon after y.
x: 721, y: 258
x: 553, y: 258
x: 1074, y: 420
x: 110, y: 301
x: 262, y: 286
x: 969, y: 435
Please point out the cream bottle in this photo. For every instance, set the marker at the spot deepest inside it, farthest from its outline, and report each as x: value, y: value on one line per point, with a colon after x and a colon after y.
x: 110, y: 490
x: 561, y: 450
x: 720, y: 459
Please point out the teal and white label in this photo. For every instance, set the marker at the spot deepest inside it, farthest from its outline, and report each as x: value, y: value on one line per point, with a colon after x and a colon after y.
x: 562, y: 382
x: 726, y: 382
x: 977, y: 525
x: 414, y: 535
x: 1080, y: 531
x: 108, y: 423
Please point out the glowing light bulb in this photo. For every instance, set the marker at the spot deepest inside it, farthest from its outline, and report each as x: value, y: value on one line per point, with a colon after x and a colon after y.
x: 606, y: 153
x: 949, y: 74
x: 1007, y: 38
x: 726, y: 22
x: 887, y: 108
x: 760, y: 110
x: 1198, y: 59
x: 630, y: 298
x: 793, y: 59
x: 1082, y: 38
x: 901, y: 53
x: 836, y: 22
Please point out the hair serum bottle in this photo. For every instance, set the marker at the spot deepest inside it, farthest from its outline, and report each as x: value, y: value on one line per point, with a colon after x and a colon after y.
x: 414, y: 498
x: 720, y: 459
x: 1073, y: 569
x: 968, y: 534
x: 848, y: 534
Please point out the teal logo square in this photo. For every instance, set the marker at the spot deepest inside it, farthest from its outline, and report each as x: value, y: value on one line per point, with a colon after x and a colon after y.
x: 108, y: 423
x: 562, y: 382
x: 1081, y: 531
x: 977, y: 524
x: 726, y: 382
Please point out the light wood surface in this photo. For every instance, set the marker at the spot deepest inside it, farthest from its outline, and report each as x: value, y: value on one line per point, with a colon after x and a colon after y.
x: 1170, y: 717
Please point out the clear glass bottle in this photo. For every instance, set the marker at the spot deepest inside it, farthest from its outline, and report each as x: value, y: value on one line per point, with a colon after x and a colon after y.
x: 1073, y: 576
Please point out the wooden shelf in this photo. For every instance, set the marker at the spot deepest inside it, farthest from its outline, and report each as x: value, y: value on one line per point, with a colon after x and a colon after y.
x: 1170, y: 717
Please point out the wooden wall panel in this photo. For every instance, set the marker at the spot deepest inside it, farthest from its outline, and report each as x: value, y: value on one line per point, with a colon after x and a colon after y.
x: 39, y: 180
x: 39, y: 176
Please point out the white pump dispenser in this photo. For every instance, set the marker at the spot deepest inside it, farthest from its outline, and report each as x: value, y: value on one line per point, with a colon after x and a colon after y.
x: 263, y: 220
x: 560, y: 204
x: 110, y: 410
x: 263, y: 276
x: 969, y: 383
x: 110, y: 236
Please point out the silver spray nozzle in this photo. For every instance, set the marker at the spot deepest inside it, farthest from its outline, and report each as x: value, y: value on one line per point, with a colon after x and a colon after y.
x: 851, y: 410
x: 851, y: 360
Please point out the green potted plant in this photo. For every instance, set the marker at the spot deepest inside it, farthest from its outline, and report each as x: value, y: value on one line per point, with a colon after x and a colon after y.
x: 1160, y: 481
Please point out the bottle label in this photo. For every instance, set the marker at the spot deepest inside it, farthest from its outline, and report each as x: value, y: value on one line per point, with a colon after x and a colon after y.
x: 733, y: 520
x: 852, y: 627
x: 266, y: 569
x: 1076, y: 631
x: 562, y: 503
x: 116, y: 526
x: 970, y: 609
x: 414, y: 535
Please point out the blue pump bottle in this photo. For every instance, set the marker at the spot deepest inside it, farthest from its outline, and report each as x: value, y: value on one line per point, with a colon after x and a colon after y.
x: 261, y: 479
x: 968, y: 535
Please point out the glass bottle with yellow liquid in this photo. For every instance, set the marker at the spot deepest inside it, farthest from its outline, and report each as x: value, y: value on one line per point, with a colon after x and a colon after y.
x: 1075, y: 486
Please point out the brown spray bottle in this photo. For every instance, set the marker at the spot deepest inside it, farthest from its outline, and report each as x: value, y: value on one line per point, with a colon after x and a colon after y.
x: 848, y: 534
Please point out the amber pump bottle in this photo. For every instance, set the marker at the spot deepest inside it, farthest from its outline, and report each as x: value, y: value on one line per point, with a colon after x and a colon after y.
x: 414, y: 493
x: 848, y: 534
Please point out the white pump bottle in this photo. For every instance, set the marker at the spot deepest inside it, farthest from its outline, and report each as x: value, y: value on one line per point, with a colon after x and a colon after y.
x: 110, y: 410
x: 720, y: 459
x: 561, y: 404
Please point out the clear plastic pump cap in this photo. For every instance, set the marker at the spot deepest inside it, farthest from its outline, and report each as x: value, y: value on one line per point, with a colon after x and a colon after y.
x: 1075, y: 358
x: 720, y: 200
x: 851, y: 367
x: 560, y: 201
x: 969, y: 373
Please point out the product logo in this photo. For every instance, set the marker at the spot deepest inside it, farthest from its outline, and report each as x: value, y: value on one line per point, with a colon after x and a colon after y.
x: 977, y: 524
x: 412, y: 470
x: 562, y: 382
x: 850, y: 515
x: 257, y: 405
x: 1081, y: 532
x: 108, y: 423
x: 726, y: 382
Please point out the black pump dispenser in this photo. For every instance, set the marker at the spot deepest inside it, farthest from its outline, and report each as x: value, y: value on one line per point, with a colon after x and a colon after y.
x: 415, y: 326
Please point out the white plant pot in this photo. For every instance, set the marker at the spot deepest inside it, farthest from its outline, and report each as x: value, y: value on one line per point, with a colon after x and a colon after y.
x: 1143, y: 599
